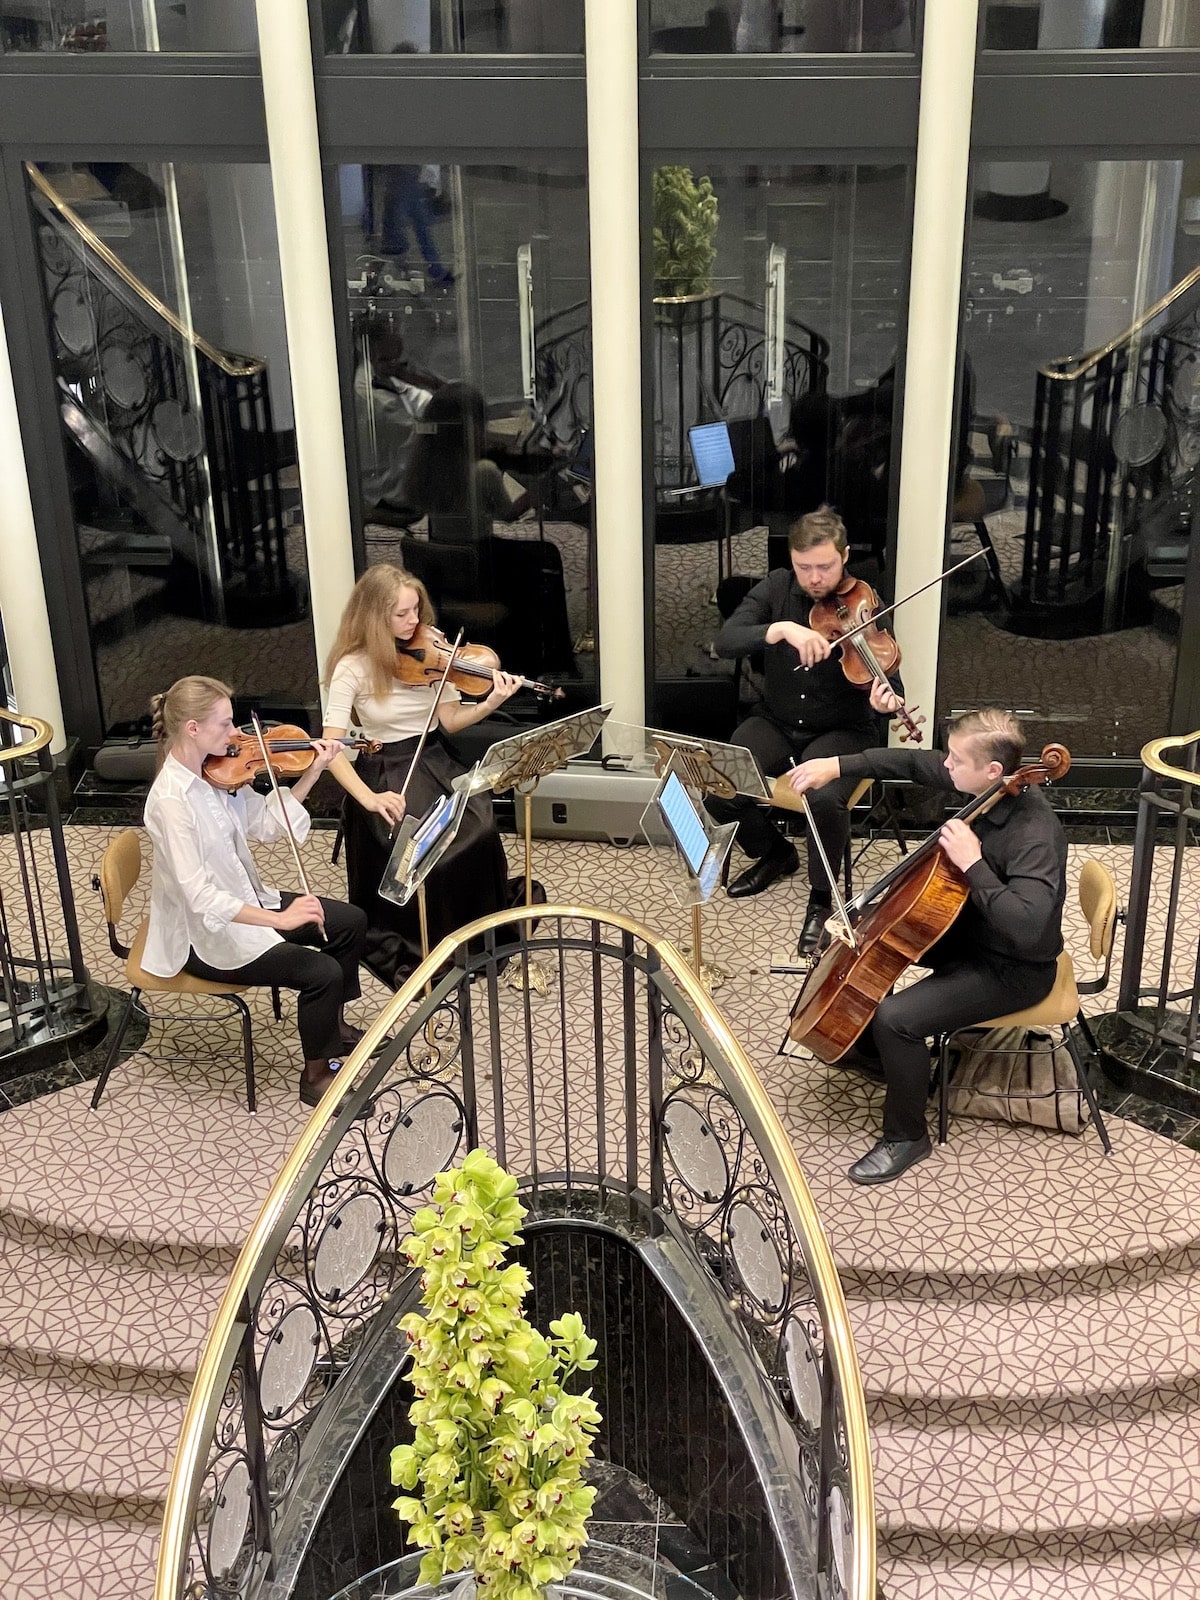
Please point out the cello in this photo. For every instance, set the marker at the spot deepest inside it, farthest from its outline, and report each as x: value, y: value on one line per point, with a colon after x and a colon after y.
x: 890, y: 926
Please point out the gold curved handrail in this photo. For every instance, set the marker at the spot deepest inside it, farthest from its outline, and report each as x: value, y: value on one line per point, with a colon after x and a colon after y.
x: 1152, y: 756
x: 228, y: 364
x: 42, y: 735
x: 208, y: 1388
x: 1084, y: 363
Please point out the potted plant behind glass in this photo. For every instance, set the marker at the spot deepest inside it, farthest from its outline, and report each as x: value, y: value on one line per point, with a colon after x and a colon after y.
x: 687, y: 322
x: 493, y: 1477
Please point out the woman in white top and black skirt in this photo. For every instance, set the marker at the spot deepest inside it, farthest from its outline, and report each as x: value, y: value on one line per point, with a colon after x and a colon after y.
x: 471, y: 880
x: 211, y: 914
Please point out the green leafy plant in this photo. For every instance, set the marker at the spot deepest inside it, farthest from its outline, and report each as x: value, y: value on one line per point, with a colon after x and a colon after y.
x: 685, y: 231
x: 494, y: 1472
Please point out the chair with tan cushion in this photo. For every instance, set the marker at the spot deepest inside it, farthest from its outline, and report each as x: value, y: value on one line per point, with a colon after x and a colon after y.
x: 1061, y: 1008
x: 120, y: 869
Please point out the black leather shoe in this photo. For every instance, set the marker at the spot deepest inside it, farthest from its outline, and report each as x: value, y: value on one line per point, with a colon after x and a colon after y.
x: 813, y: 936
x: 889, y: 1158
x: 761, y: 874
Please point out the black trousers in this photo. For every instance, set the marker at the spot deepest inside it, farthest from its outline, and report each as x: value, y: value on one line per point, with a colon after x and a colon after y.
x: 965, y: 988
x: 324, y: 974
x: 775, y: 746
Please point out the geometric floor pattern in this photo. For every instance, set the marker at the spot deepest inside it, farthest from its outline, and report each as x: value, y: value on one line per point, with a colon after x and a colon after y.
x: 1027, y: 1311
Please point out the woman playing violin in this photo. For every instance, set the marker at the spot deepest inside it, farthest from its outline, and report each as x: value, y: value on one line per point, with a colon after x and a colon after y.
x: 211, y: 914
x: 813, y: 712
x: 385, y: 610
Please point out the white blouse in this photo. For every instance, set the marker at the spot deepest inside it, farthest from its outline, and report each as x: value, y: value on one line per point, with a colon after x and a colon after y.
x: 203, y: 870
x: 399, y: 714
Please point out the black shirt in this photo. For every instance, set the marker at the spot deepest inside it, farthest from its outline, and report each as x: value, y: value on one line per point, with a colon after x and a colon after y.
x: 817, y: 700
x: 1018, y: 889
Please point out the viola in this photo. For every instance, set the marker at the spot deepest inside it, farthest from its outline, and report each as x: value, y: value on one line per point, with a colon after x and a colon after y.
x: 423, y: 659
x: 289, y: 747
x: 872, y: 654
x: 891, y: 925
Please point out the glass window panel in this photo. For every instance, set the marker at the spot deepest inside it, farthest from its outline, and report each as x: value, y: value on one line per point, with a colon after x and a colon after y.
x: 783, y: 324
x: 83, y: 27
x: 453, y: 27
x: 167, y: 335
x: 469, y: 307
x: 1079, y: 471
x: 758, y: 27
x: 1090, y: 24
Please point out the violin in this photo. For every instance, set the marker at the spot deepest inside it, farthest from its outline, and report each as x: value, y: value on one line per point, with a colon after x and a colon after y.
x: 872, y: 654
x: 891, y: 925
x: 289, y: 747
x: 424, y: 658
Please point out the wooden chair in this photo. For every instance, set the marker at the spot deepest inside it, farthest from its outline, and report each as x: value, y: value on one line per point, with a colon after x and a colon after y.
x: 120, y: 869
x: 1061, y: 1008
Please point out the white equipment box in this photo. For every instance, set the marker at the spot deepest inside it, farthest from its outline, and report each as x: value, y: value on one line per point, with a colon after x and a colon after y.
x: 584, y: 800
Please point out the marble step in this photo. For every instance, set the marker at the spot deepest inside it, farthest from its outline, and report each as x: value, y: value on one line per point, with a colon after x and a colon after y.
x: 46, y: 1556
x: 1040, y: 1493
x: 85, y: 1452
x: 1080, y: 1357
x: 67, y: 1314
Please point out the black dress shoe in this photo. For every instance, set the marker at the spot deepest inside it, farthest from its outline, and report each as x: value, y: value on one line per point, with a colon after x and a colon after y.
x: 761, y: 874
x: 813, y: 936
x: 889, y: 1158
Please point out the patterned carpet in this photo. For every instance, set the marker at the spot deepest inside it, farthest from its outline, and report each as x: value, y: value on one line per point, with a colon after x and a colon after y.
x: 1026, y: 1310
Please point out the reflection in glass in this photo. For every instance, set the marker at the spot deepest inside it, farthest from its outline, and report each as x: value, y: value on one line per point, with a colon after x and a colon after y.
x: 757, y: 27
x: 778, y: 300
x: 86, y: 27
x: 453, y: 27
x: 1082, y: 390
x: 1089, y: 24
x: 468, y: 291
x: 167, y: 335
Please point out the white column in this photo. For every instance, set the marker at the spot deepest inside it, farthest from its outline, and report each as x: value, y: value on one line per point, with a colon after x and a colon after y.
x: 23, y: 610
x: 939, y: 222
x: 291, y: 104
x: 612, y: 115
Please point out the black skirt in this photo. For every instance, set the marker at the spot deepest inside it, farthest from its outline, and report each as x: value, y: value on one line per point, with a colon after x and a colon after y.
x: 471, y: 879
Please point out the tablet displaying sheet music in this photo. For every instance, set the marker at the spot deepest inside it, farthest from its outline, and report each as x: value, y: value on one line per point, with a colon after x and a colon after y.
x: 433, y: 826
x: 684, y: 821
x: 712, y: 453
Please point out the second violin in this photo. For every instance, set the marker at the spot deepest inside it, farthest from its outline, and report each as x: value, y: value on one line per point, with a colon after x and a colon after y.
x: 424, y: 658
x: 869, y: 653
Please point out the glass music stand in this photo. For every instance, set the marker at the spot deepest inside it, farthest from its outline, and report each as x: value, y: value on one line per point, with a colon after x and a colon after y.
x: 694, y: 849
x: 707, y: 765
x: 520, y: 763
x: 420, y: 844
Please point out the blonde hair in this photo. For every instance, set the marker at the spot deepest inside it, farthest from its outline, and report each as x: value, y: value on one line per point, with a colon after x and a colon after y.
x: 817, y: 527
x: 366, y: 625
x: 997, y: 735
x: 188, y: 699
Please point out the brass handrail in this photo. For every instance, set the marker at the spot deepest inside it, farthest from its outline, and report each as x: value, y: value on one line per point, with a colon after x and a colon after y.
x: 42, y: 735
x: 310, y: 1152
x: 235, y: 368
x: 1083, y: 363
x: 1152, y: 756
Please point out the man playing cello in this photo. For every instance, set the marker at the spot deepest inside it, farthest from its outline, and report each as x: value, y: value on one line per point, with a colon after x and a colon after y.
x: 817, y: 712
x: 999, y: 955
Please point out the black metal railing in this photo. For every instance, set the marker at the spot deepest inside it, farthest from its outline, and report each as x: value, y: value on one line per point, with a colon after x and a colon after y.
x: 47, y: 1002
x: 1113, y: 434
x: 180, y: 431
x: 626, y: 1108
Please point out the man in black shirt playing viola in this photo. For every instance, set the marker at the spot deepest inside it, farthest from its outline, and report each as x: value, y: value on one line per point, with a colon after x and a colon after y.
x: 804, y: 715
x: 1000, y: 954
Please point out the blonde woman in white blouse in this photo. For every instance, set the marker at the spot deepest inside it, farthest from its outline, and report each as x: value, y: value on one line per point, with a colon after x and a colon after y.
x: 471, y: 880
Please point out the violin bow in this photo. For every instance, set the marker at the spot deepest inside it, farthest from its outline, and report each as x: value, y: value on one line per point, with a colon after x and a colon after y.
x: 847, y: 933
x: 412, y: 765
x: 903, y: 601
x: 287, y: 821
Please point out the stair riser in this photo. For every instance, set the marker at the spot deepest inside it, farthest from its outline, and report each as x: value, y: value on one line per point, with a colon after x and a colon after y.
x: 1042, y: 1286
x: 215, y: 1260
x: 116, y: 1377
x: 1067, y: 1545
x: 52, y: 1498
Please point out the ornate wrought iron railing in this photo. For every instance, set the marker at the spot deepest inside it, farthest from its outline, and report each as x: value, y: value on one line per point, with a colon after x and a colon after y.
x: 47, y: 1002
x: 180, y: 431
x: 1152, y: 1043
x: 1113, y: 432
x: 625, y: 1105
